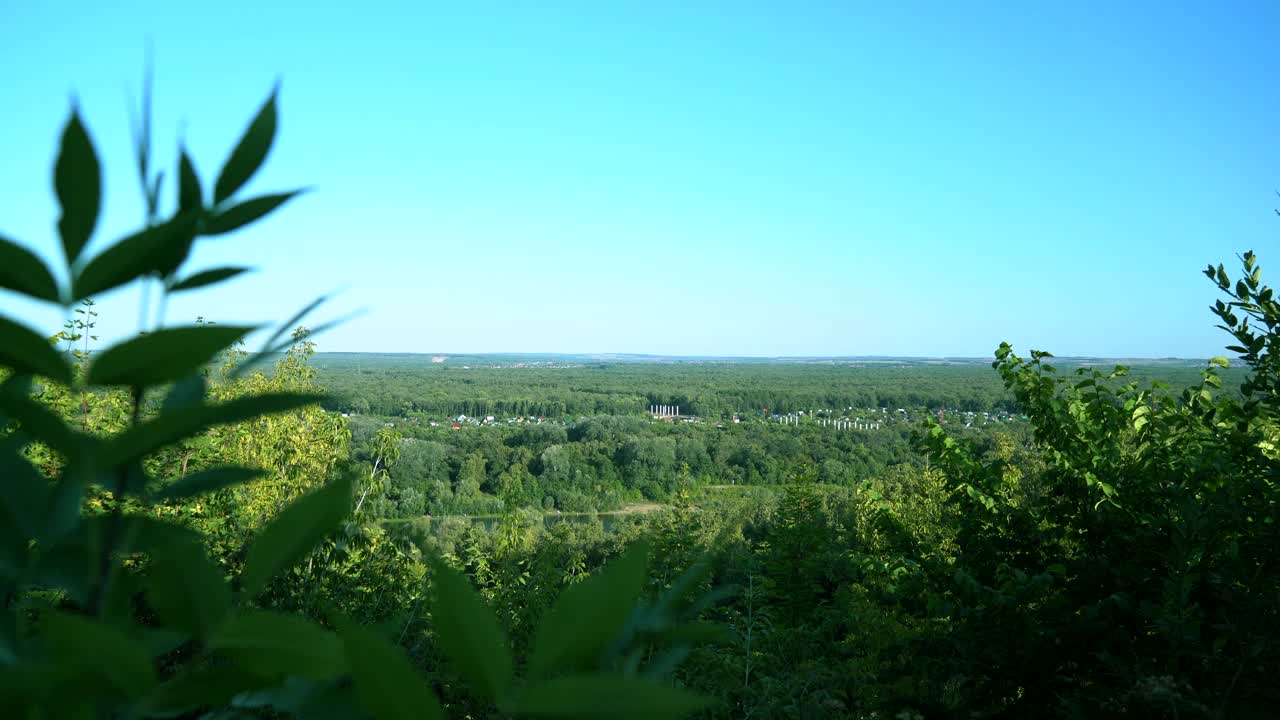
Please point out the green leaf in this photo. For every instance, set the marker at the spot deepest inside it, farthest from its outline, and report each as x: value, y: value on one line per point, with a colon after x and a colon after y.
x: 187, y: 392
x: 207, y: 277
x: 196, y: 690
x: 616, y: 697
x: 190, y: 195
x: 207, y: 481
x: 249, y: 153
x: 589, y: 616
x: 77, y: 179
x: 159, y: 249
x: 170, y: 427
x: 237, y: 216
x: 697, y: 633
x: 100, y: 655
x: 1219, y: 361
x: 165, y: 355
x: 469, y: 634
x: 24, y: 493
x: 293, y: 533
x: 21, y: 271
x: 274, y: 645
x: 37, y: 420
x: 186, y: 588
x: 385, y: 682
x: 25, y: 351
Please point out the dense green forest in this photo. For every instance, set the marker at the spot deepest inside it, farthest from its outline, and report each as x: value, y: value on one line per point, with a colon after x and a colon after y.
x: 189, y: 529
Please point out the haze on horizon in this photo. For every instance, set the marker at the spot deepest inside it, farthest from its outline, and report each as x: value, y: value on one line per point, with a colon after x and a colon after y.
x: 722, y: 180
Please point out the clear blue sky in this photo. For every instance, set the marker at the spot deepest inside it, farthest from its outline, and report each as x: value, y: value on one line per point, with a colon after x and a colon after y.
x: 794, y: 178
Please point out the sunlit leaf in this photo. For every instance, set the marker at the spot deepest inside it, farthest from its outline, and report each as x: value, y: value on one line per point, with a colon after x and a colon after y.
x: 77, y: 179
x: 166, y: 355
x: 589, y: 615
x: 207, y: 277
x: 293, y: 533
x: 21, y: 271
x: 385, y: 681
x: 25, y: 351
x: 469, y: 634
x: 241, y: 214
x: 249, y: 153
x: 605, y: 696
x: 275, y: 645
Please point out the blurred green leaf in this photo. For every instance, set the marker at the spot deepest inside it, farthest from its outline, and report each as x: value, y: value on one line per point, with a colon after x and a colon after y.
x: 37, y: 420
x: 159, y: 249
x: 166, y: 355
x: 589, y: 616
x: 21, y: 271
x: 605, y: 696
x: 99, y: 655
x: 384, y: 680
x: 293, y: 533
x: 186, y: 588
x: 276, y: 645
x: 241, y: 214
x: 469, y: 634
x: 207, y: 481
x: 190, y: 196
x: 249, y: 153
x: 196, y: 690
x: 24, y: 493
x: 25, y: 351
x: 170, y: 427
x: 77, y: 179
x: 207, y: 277
x: 187, y: 392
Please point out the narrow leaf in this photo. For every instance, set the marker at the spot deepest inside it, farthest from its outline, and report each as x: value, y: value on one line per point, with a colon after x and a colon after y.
x: 615, y: 697
x: 588, y: 616
x: 157, y: 250
x: 292, y: 534
x: 249, y: 153
x: 469, y: 634
x: 207, y: 277
x: 162, y: 356
x: 385, y: 682
x: 23, y: 272
x: 190, y: 195
x: 25, y: 351
x: 208, y: 481
x: 77, y: 179
x: 237, y: 216
x: 276, y: 645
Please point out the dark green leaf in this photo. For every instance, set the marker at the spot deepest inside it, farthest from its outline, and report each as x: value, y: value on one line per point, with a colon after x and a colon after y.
x: 25, y: 351
x: 605, y: 696
x: 159, y: 250
x: 237, y: 216
x: 249, y: 152
x: 190, y: 196
x: 21, y: 271
x: 207, y: 481
x: 165, y: 355
x: 171, y: 427
x: 186, y: 588
x: 588, y: 616
x: 207, y: 277
x: 77, y: 179
x: 293, y: 533
x: 187, y: 392
x: 697, y: 633
x: 101, y: 655
x: 24, y: 493
x: 384, y: 680
x: 197, y: 690
x: 275, y: 645
x: 469, y: 634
